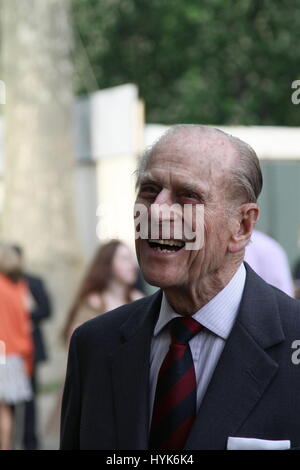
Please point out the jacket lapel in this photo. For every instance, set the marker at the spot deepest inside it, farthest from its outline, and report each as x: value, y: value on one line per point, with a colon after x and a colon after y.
x: 130, y: 375
x: 244, y: 370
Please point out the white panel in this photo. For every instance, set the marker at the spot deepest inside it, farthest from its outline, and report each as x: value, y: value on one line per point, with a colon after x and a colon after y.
x: 81, y: 129
x: 86, y: 206
x: 1, y: 146
x: 152, y: 132
x: 113, y: 121
x: 116, y: 198
x: 278, y: 143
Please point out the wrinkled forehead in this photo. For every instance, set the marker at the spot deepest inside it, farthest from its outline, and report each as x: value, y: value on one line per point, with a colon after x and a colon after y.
x: 205, y: 155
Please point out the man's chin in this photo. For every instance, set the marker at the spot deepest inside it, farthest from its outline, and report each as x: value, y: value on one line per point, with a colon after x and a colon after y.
x: 159, y: 280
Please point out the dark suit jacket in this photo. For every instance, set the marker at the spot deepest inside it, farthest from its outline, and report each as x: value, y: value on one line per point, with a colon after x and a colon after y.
x: 40, y: 313
x: 254, y: 391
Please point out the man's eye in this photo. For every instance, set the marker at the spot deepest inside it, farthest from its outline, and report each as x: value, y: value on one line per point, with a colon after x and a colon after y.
x: 190, y: 196
x: 148, y: 191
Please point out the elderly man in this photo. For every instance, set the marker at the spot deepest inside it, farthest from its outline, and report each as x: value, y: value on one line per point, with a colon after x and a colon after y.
x: 207, y: 362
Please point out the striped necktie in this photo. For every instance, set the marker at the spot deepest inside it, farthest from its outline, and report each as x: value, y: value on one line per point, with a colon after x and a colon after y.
x: 174, y: 407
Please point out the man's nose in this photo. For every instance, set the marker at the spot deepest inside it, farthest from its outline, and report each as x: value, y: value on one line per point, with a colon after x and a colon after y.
x: 161, y: 207
x: 164, y: 197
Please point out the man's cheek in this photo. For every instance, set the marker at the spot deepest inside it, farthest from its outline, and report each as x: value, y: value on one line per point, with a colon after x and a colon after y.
x: 195, y: 263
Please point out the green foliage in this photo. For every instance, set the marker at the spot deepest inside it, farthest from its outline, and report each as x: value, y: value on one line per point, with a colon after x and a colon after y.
x: 208, y: 61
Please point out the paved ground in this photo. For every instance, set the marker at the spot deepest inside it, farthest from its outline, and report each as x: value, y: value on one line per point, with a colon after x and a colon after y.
x: 48, y: 413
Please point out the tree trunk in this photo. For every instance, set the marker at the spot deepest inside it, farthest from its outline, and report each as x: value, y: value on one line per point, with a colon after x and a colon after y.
x: 38, y: 208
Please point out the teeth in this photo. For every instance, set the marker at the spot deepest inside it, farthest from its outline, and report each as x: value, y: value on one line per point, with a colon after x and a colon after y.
x: 168, y: 242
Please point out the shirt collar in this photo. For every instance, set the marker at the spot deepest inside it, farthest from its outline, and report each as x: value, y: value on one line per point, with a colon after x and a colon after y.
x: 219, y: 314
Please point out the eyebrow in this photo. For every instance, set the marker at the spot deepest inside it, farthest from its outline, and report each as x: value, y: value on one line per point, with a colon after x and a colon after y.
x: 147, y: 179
x: 186, y: 186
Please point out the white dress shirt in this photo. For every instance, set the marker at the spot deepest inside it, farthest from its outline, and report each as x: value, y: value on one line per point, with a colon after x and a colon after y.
x: 217, y: 318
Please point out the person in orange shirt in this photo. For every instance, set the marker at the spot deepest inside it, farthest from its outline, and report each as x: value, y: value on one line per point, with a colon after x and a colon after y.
x: 15, y: 337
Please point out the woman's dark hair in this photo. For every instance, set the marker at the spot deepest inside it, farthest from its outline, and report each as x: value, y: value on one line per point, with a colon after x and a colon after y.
x: 97, y: 279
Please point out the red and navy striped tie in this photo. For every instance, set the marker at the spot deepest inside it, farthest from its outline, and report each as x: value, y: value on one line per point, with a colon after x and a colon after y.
x: 174, y: 407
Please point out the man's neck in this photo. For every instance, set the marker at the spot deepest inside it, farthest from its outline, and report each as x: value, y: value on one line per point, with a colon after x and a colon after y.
x: 187, y: 300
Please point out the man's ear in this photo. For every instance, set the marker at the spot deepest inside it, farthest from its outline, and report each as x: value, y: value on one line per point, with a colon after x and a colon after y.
x: 245, y: 221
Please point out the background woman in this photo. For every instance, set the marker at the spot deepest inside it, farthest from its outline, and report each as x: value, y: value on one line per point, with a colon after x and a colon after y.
x: 108, y: 283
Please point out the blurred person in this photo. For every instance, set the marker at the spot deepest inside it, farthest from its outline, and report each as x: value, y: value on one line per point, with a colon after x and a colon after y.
x: 15, y: 333
x: 207, y: 361
x: 41, y: 310
x: 269, y: 260
x: 109, y: 282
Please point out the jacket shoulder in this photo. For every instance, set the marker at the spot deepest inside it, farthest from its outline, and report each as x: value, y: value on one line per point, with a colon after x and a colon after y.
x: 108, y: 324
x: 289, y: 309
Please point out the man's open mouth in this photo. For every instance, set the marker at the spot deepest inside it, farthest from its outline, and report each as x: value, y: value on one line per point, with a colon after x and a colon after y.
x: 166, y: 246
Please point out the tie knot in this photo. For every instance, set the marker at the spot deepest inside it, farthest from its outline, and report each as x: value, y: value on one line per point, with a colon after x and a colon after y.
x: 183, y: 329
